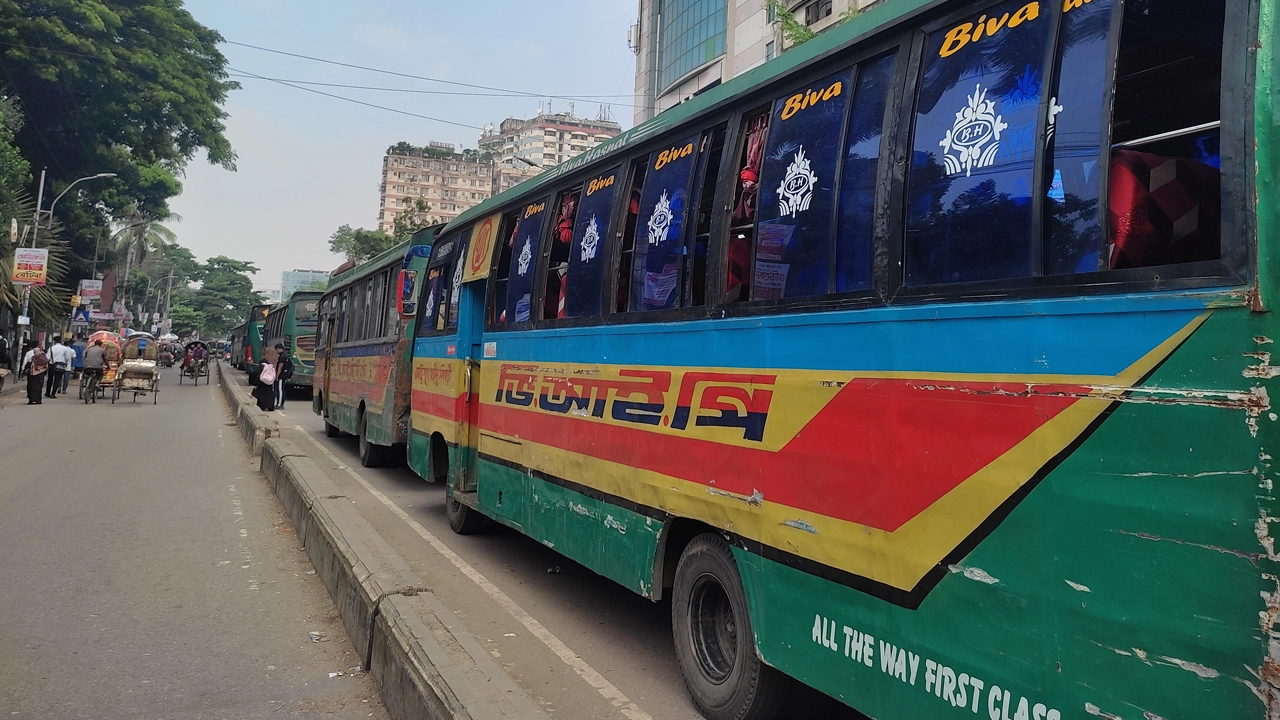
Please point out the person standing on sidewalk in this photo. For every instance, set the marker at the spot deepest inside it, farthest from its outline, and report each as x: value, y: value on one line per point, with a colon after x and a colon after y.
x: 77, y: 363
x: 60, y: 359
x: 284, y: 371
x: 37, y: 365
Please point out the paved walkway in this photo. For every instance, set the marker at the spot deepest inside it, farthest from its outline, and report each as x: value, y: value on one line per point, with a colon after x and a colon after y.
x: 146, y: 571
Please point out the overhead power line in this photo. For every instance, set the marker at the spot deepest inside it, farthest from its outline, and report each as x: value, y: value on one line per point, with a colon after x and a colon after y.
x: 357, y: 102
x: 413, y: 91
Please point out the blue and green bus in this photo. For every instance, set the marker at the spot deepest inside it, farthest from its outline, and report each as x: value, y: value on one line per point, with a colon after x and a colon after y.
x: 293, y: 324
x: 253, y: 346
x: 927, y: 365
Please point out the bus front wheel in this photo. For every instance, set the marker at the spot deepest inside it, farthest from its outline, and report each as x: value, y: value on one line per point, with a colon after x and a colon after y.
x: 463, y: 520
x: 714, y: 642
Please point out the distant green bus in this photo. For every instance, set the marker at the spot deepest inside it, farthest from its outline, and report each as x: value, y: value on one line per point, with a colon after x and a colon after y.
x: 253, y: 347
x: 293, y: 324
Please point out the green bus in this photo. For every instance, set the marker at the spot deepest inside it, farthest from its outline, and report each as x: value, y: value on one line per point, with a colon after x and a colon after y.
x: 238, y: 337
x: 253, y: 347
x: 928, y: 364
x: 293, y: 324
x: 364, y: 349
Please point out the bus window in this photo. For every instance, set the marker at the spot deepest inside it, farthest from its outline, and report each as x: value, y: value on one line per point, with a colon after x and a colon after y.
x: 553, y: 293
x: 343, y: 324
x: 454, y: 274
x: 694, y: 281
x: 858, y: 180
x: 366, y: 313
x: 431, y: 293
x: 524, y: 262
x: 586, y: 259
x: 378, y: 305
x: 1164, y: 195
x: 969, y: 188
x: 506, y: 232
x: 742, y: 224
x: 797, y: 189
x: 635, y: 187
x: 655, y: 274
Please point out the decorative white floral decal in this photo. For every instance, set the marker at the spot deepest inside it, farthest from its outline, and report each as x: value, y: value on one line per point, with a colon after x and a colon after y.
x: 796, y: 191
x: 660, y: 220
x: 457, y: 284
x: 1054, y: 109
x: 526, y: 255
x: 590, y: 240
x: 975, y: 136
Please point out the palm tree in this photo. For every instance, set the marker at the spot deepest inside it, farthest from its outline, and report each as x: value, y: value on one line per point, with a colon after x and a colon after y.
x: 135, y: 238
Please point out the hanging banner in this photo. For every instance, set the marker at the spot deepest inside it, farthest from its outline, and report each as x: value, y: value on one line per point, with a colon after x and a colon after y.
x: 480, y: 255
x: 30, y: 266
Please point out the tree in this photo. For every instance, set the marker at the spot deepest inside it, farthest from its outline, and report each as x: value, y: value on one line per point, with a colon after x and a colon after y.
x: 136, y: 237
x: 411, y: 220
x: 226, y: 294
x: 358, y: 244
x: 135, y: 88
x: 185, y: 320
x: 795, y: 32
x: 15, y: 171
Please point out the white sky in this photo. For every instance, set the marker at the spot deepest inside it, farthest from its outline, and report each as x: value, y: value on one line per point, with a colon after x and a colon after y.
x: 309, y: 163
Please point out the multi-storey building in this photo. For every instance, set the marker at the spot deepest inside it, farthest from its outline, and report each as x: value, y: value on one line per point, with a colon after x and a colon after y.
x: 450, y: 181
x: 702, y: 43
x: 546, y: 140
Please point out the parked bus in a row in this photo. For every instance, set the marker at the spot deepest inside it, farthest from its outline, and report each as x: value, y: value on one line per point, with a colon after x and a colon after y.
x: 293, y: 324
x: 927, y: 364
x: 364, y: 350
x: 238, y: 338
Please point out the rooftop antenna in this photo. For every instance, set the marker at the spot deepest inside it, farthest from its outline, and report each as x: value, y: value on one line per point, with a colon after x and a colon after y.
x: 570, y: 109
x: 605, y: 114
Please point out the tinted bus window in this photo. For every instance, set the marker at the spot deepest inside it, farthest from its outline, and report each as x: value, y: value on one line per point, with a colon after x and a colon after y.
x: 969, y: 192
x: 586, y: 256
x: 524, y: 254
x: 858, y: 181
x: 455, y: 277
x: 553, y: 293
x: 797, y: 189
x: 305, y: 311
x: 1074, y: 136
x: 655, y: 271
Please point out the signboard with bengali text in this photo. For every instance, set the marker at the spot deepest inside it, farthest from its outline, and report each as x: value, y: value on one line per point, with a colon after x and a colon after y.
x: 30, y: 266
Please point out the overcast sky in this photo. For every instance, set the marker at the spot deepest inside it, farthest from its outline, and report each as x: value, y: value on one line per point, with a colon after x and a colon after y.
x: 309, y: 163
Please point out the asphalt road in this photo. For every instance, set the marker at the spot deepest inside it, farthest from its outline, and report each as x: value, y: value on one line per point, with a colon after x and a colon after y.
x: 146, y: 571
x: 622, y: 636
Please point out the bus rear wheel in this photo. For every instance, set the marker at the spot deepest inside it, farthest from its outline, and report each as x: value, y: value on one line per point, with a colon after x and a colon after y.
x: 714, y: 642
x: 463, y: 519
x: 371, y: 455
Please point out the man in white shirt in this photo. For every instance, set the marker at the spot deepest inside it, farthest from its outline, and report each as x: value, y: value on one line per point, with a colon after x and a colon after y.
x: 60, y: 359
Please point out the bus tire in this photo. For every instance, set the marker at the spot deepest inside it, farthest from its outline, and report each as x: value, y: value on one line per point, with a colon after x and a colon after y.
x: 371, y: 455
x: 715, y: 645
x: 463, y: 520
x: 331, y: 430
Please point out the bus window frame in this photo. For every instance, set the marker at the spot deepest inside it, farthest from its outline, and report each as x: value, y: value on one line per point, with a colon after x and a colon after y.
x: 535, y: 290
x: 422, y: 329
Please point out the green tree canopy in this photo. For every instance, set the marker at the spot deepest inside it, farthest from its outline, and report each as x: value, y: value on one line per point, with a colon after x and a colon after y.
x: 132, y: 87
x: 225, y: 295
x: 359, y: 244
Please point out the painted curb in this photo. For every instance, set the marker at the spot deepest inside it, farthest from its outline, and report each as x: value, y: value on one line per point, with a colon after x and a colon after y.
x: 423, y: 660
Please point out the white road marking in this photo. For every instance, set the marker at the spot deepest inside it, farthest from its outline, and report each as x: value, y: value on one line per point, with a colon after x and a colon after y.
x: 570, y: 658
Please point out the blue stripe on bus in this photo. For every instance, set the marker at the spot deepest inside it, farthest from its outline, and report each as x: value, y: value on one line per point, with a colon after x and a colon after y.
x: 1068, y: 336
x: 364, y: 350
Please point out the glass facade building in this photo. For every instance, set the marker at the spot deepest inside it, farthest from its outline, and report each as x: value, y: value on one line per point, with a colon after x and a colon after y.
x: 692, y: 34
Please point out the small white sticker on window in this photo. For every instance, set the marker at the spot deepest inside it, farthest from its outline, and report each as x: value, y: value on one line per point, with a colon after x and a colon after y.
x: 526, y: 255
x: 491, y: 349
x: 590, y: 240
x: 660, y: 220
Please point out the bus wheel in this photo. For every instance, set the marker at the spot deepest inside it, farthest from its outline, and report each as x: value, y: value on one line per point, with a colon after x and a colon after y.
x: 371, y: 455
x: 714, y: 642
x: 331, y: 430
x: 463, y: 520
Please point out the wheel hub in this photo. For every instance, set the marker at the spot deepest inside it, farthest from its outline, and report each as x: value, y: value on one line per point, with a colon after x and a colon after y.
x: 714, y: 628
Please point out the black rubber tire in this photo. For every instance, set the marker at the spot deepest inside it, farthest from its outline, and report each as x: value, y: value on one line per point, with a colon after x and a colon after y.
x: 371, y: 455
x: 463, y: 520
x: 331, y: 430
x: 715, y: 645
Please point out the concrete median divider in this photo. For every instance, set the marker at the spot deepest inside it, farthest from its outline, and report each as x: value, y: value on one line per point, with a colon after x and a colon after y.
x: 424, y: 661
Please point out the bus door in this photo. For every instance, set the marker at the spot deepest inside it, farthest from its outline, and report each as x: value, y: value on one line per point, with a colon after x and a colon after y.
x: 470, y: 326
x: 330, y: 337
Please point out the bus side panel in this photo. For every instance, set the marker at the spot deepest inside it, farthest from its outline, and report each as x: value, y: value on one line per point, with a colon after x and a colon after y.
x: 438, y: 382
x: 611, y: 540
x: 358, y: 379
x: 1130, y: 580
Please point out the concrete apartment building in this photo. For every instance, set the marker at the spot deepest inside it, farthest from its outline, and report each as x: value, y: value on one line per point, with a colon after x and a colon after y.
x: 684, y: 47
x: 454, y: 181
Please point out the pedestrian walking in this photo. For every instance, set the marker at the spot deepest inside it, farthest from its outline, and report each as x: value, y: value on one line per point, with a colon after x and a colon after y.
x: 60, y: 359
x: 37, y: 366
x: 24, y: 358
x: 284, y: 371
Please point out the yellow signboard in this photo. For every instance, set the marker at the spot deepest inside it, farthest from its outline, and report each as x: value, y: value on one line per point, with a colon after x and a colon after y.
x: 30, y: 266
x: 75, y: 301
x: 484, y: 238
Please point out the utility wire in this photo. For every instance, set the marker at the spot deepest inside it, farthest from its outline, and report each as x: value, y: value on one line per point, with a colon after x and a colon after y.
x: 357, y: 102
x: 412, y: 90
x: 524, y: 93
